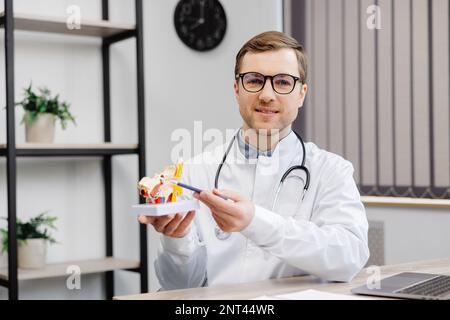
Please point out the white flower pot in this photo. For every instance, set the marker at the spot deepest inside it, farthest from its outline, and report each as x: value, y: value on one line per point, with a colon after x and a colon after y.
x: 32, y: 254
x: 42, y: 130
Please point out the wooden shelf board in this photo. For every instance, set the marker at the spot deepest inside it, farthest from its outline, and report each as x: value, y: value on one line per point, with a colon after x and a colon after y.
x: 60, y: 269
x: 27, y: 22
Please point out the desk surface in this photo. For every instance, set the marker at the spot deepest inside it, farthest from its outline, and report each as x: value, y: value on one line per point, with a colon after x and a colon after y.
x: 286, y: 285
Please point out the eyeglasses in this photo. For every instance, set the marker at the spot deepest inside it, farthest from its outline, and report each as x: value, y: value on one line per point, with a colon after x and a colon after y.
x: 281, y: 83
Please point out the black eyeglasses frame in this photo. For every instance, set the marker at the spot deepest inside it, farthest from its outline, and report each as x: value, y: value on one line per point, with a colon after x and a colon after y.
x: 242, y: 75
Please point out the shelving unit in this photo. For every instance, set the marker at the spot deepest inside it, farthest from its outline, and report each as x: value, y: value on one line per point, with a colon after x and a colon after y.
x: 110, y: 34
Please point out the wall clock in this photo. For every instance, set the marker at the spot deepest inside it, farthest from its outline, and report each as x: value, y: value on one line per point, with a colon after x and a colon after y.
x: 200, y: 24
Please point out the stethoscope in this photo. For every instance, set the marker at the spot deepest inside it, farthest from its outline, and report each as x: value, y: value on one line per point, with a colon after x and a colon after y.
x: 222, y: 235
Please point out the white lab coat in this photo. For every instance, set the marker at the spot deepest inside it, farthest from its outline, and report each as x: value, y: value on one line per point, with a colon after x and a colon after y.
x: 324, y: 235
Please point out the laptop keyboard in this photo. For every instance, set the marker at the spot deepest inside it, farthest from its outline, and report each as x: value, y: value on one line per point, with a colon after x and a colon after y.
x: 434, y: 287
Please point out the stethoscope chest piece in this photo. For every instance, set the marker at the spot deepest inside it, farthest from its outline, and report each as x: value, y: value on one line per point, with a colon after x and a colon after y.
x: 220, y: 234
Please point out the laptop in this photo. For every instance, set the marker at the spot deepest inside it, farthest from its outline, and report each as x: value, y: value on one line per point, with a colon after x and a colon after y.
x: 411, y: 285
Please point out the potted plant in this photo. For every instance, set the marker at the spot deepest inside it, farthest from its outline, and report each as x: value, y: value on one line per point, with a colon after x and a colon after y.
x: 41, y: 112
x: 32, y: 239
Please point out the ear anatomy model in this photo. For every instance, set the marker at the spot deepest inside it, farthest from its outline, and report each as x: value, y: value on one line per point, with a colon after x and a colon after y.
x: 159, y: 188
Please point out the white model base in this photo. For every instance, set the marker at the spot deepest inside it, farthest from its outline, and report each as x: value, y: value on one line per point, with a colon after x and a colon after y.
x: 162, y: 209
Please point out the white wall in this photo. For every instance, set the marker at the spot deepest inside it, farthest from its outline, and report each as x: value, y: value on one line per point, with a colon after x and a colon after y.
x: 72, y: 188
x: 413, y: 234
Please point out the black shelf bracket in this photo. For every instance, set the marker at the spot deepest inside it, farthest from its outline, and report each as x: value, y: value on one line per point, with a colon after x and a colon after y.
x: 141, y: 135
x: 119, y: 37
x: 138, y: 270
x: 74, y: 152
x: 11, y: 164
x: 107, y: 163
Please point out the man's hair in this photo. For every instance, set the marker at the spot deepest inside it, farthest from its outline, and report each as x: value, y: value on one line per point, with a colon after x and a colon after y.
x: 273, y: 40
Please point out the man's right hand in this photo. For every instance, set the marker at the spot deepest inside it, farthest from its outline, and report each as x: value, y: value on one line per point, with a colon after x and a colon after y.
x: 172, y: 225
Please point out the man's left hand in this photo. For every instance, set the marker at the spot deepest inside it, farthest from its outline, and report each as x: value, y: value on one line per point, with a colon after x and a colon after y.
x: 230, y: 216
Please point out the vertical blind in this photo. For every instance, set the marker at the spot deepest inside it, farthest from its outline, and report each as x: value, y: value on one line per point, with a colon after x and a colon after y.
x: 380, y: 97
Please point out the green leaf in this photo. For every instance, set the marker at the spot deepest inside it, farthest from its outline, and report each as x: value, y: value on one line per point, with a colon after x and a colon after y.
x: 4, y: 235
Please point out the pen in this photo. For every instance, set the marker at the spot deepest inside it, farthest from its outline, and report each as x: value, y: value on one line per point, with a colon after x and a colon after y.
x: 186, y: 186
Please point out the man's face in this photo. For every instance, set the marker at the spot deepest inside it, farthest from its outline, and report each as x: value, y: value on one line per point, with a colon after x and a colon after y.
x: 267, y: 109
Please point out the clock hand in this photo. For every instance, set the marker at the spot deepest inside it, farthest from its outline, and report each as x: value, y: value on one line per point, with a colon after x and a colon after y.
x: 196, y: 24
x: 201, y: 19
x: 202, y: 11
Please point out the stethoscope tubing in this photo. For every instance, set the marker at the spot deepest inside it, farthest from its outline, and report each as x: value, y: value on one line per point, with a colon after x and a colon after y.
x: 221, y: 235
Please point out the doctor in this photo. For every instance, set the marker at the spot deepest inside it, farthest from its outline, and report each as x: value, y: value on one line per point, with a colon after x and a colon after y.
x: 311, y: 221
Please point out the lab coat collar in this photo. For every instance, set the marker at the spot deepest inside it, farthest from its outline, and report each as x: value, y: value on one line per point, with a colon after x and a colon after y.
x: 282, y: 149
x: 249, y: 151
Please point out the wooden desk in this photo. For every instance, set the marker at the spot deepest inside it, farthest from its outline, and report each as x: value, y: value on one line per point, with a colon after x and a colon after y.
x: 279, y: 286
